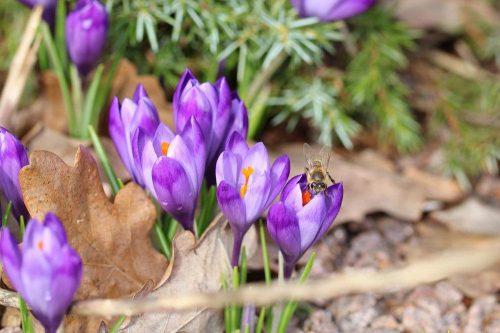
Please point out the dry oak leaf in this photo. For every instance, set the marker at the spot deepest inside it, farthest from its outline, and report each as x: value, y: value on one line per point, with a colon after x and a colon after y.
x: 195, y: 267
x: 111, y: 238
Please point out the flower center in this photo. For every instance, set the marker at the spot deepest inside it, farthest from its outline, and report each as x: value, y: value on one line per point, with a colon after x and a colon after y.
x: 247, y: 172
x: 306, y: 197
x: 40, y: 245
x: 164, y: 148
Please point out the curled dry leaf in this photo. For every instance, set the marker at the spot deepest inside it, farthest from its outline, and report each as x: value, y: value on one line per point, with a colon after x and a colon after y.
x: 195, y: 267
x: 111, y: 238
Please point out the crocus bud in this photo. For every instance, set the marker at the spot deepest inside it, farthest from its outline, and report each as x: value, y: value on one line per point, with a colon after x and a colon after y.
x: 331, y: 10
x: 247, y: 184
x: 124, y: 120
x: 301, y: 218
x: 13, y: 156
x: 49, y: 8
x: 86, y: 31
x: 218, y: 111
x: 173, y: 167
x: 45, y: 270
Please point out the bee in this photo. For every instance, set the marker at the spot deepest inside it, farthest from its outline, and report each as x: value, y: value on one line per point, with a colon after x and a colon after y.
x: 317, y: 169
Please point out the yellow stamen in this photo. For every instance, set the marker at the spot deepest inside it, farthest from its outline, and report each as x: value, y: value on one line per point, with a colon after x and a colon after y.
x: 247, y: 172
x: 40, y: 245
x: 164, y: 148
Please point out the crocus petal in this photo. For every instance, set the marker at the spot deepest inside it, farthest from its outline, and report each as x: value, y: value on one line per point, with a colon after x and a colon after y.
x: 256, y: 196
x: 145, y: 117
x: 257, y: 158
x: 240, y: 116
x: 163, y: 134
x: 293, y: 197
x: 345, y: 9
x: 279, y: 174
x: 186, y: 77
x: 232, y: 206
x: 193, y: 137
x: 139, y: 92
x: 291, y: 185
x: 173, y: 191
x: 117, y: 132
x: 333, y: 199
x: 52, y: 222
x: 311, y: 217
x: 283, y: 227
x: 194, y: 103
x: 237, y: 144
x: 86, y: 32
x: 228, y: 166
x: 11, y: 258
x: 180, y: 152
x: 148, y: 159
x: 221, y: 116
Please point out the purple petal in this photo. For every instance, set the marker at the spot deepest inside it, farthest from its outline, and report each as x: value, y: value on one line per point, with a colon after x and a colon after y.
x: 145, y: 117
x: 232, y: 207
x: 257, y: 158
x: 173, y: 191
x: 333, y: 200
x: 180, y: 152
x: 311, y: 218
x: 194, y: 103
x: 237, y: 144
x: 11, y: 258
x: 228, y: 166
x: 294, y: 198
x: 193, y: 137
x: 52, y: 222
x: 186, y: 77
x: 221, y: 116
x: 291, y: 185
x: 279, y: 175
x: 331, y: 10
x: 139, y: 93
x: 117, y: 132
x: 240, y: 117
x: 283, y: 227
x: 256, y: 196
x: 148, y: 159
x: 163, y: 134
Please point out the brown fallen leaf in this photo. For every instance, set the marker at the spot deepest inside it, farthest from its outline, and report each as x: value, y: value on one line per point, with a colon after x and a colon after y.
x: 44, y: 138
x: 111, y: 238
x: 444, y: 15
x: 370, y: 188
x: 125, y: 82
x: 195, y: 267
x: 472, y: 216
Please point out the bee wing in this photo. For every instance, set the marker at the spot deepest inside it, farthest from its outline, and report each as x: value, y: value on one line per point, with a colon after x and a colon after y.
x: 324, y: 154
x: 308, y: 152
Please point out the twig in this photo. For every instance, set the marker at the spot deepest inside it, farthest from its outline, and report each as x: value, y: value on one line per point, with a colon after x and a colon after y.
x: 431, y: 269
x: 21, y: 66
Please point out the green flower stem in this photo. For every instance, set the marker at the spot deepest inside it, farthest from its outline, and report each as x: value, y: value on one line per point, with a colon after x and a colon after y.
x: 171, y: 228
x: 234, y: 308
x: 243, y: 275
x: 292, y: 305
x: 164, y: 244
x: 207, y: 203
x: 6, y: 214
x: 267, y: 276
x: 58, y: 67
x: 117, y: 324
x: 26, y: 324
x: 60, y: 33
x: 22, y: 226
x: 103, y: 158
x: 265, y: 255
x: 227, y: 309
x: 90, y: 102
x: 43, y: 61
x: 76, y: 91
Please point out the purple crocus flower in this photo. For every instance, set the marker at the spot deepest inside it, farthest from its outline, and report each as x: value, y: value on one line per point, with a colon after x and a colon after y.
x: 49, y: 8
x: 13, y: 156
x: 125, y: 119
x: 172, y: 167
x: 218, y: 111
x: 301, y: 218
x: 247, y: 184
x: 331, y: 10
x: 46, y: 271
x: 86, y: 32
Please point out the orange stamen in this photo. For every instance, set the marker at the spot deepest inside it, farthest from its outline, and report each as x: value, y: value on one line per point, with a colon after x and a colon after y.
x: 306, y: 197
x: 164, y: 148
x: 40, y: 245
x: 247, y: 172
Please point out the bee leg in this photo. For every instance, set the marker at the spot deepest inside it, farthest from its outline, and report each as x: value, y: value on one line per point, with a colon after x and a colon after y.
x: 331, y: 178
